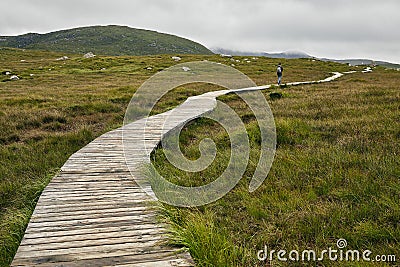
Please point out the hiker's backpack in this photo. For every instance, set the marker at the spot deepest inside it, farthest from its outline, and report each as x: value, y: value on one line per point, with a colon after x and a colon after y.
x: 279, y: 70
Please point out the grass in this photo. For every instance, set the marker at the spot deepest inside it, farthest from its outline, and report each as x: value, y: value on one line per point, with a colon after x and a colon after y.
x: 335, y: 175
x: 46, y: 117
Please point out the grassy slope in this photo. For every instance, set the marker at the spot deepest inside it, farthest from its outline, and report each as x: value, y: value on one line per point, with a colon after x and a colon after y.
x: 107, y: 40
x: 66, y: 104
x: 336, y: 175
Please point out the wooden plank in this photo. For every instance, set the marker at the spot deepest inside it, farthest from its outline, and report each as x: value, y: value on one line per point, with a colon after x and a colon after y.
x: 132, y: 218
x: 115, y: 229
x: 91, y: 253
x: 107, y: 242
x: 99, y: 225
x: 93, y: 236
x: 87, y: 216
x: 55, y: 197
x: 62, y: 207
x: 114, y: 259
x: 104, y: 210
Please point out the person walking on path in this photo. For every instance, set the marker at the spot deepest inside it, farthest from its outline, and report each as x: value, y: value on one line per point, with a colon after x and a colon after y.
x: 279, y: 72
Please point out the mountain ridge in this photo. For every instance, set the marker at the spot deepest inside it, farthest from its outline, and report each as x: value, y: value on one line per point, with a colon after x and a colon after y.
x: 286, y: 54
x: 113, y: 40
x: 300, y: 54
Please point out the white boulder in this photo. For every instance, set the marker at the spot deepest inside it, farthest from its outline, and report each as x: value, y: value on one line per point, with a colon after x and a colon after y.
x: 176, y: 58
x: 62, y: 58
x: 89, y: 55
x: 14, y: 78
x: 367, y: 70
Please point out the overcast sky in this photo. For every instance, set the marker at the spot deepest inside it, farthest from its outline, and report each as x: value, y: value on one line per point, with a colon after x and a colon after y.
x: 322, y: 28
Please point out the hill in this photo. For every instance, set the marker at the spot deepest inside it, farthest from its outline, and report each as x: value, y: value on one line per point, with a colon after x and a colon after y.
x: 357, y: 62
x: 299, y: 54
x: 287, y: 54
x: 106, y: 40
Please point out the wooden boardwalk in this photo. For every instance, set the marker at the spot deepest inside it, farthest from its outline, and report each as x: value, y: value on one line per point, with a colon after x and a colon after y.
x: 94, y: 214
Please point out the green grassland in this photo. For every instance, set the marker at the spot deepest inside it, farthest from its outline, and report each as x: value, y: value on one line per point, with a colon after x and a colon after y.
x: 335, y: 174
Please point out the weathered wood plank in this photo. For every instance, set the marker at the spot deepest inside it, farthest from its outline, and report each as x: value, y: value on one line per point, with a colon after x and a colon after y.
x: 99, y: 205
x: 93, y: 236
x: 98, y: 226
x: 103, y: 214
x: 96, y: 254
x: 143, y: 259
x: 141, y: 240
x: 60, y: 232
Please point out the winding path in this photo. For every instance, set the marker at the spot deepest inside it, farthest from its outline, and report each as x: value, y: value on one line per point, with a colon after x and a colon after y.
x: 93, y: 213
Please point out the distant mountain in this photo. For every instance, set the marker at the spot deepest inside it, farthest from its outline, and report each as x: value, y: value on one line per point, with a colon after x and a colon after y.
x: 223, y: 51
x: 106, y: 40
x: 297, y: 54
x: 358, y: 62
x: 287, y: 54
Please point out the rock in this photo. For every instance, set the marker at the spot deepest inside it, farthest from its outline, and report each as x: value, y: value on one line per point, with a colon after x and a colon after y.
x: 367, y: 70
x: 103, y: 69
x: 186, y: 69
x: 62, y: 58
x: 8, y: 73
x: 31, y: 75
x: 149, y: 68
x: 23, y: 60
x: 223, y: 55
x: 14, y: 78
x: 89, y: 55
x: 176, y: 58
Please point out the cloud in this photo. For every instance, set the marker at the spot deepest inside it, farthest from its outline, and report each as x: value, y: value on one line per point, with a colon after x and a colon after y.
x: 337, y: 28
